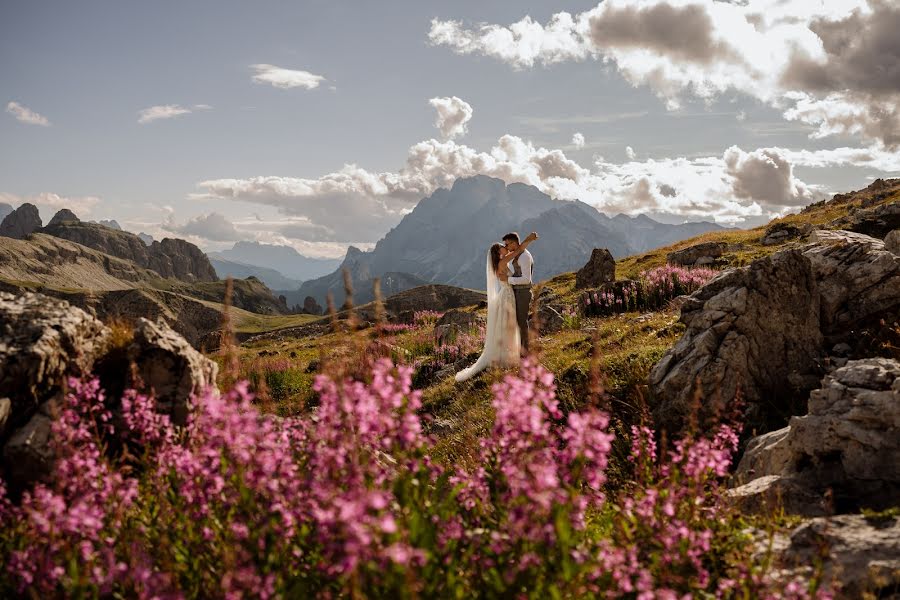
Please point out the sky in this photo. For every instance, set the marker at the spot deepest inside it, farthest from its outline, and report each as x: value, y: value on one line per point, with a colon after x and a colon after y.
x: 320, y: 124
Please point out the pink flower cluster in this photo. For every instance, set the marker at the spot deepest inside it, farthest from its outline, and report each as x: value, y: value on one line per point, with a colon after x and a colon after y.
x: 653, y: 289
x: 347, y: 502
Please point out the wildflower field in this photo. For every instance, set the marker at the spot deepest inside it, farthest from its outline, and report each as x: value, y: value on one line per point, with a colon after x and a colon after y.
x: 322, y: 474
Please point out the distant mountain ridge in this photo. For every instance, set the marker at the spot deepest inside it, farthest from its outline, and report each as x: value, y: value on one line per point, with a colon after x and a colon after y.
x: 231, y: 268
x: 445, y: 238
x: 284, y: 259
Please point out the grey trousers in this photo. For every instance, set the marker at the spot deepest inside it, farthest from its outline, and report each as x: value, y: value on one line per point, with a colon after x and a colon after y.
x: 522, y: 294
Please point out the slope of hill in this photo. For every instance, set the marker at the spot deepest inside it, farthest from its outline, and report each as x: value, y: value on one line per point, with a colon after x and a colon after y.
x: 445, y: 237
x: 59, y: 263
x: 283, y: 259
x: 173, y: 258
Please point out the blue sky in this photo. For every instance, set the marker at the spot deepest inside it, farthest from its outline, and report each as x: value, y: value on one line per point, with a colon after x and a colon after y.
x: 255, y: 161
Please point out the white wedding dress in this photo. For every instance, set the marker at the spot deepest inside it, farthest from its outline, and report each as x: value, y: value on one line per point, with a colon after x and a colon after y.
x: 502, y: 342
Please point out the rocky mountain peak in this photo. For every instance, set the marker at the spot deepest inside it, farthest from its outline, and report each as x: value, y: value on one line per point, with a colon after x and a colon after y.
x: 21, y: 222
x: 63, y: 216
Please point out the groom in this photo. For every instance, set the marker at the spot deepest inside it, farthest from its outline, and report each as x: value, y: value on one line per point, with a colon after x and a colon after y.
x: 521, y: 280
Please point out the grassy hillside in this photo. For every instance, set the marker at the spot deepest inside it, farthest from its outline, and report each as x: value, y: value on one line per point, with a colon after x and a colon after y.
x: 604, y: 358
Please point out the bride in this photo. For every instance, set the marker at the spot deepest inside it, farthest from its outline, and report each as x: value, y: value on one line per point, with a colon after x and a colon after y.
x: 502, y: 343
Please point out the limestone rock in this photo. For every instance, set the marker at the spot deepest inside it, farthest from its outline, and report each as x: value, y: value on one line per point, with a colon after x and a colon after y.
x: 697, y: 255
x: 765, y: 329
x: 847, y: 446
x: 861, y: 555
x: 432, y: 297
x: 755, y: 329
x: 892, y: 241
x: 876, y: 221
x: 21, y: 222
x: 43, y: 341
x: 168, y: 365
x: 63, y: 216
x: 778, y: 233
x: 311, y: 307
x: 600, y: 268
x: 549, y: 320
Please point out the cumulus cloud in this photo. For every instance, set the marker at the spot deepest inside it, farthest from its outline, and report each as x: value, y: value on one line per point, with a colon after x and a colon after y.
x: 285, y: 79
x: 765, y: 176
x: 357, y: 205
x: 167, y: 111
x: 453, y: 116
x: 48, y: 203
x: 26, y: 115
x: 213, y: 227
x: 832, y: 65
x: 578, y: 140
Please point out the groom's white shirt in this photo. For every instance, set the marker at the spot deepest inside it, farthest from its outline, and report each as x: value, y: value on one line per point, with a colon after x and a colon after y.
x: 526, y: 262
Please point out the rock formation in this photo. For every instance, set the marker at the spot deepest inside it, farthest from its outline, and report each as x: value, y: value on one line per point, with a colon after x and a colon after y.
x: 861, y: 553
x: 44, y: 341
x: 311, y: 307
x: 892, y: 241
x: 600, y: 268
x: 843, y: 455
x: 431, y: 297
x: 765, y: 329
x: 778, y: 233
x: 876, y: 221
x: 63, y: 216
x: 171, y: 258
x: 21, y: 222
x: 697, y: 255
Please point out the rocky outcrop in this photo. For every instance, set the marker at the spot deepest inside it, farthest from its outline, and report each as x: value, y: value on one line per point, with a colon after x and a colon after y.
x: 169, y: 367
x: 697, y: 255
x: 779, y: 233
x: 860, y: 554
x: 44, y: 341
x: 600, y: 268
x: 876, y: 221
x: 453, y: 323
x: 61, y: 264
x: 63, y: 216
x: 764, y: 329
x: 311, y: 307
x: 431, y: 297
x: 843, y: 455
x: 178, y: 259
x: 892, y: 241
x: 171, y: 258
x: 21, y: 222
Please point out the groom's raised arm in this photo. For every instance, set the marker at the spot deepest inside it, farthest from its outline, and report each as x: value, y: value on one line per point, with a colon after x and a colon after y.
x: 525, y: 261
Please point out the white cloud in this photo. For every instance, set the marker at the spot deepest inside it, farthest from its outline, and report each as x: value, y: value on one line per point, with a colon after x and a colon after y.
x: 285, y: 78
x: 49, y: 203
x: 355, y: 204
x: 167, y: 111
x: 213, y: 227
x: 578, y: 140
x: 629, y: 152
x: 453, y: 116
x: 26, y: 115
x: 834, y: 65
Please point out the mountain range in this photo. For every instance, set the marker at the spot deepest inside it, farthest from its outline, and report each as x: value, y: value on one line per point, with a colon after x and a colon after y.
x: 445, y: 238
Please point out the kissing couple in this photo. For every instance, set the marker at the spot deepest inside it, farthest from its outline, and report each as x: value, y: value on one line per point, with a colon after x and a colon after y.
x: 510, y: 272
